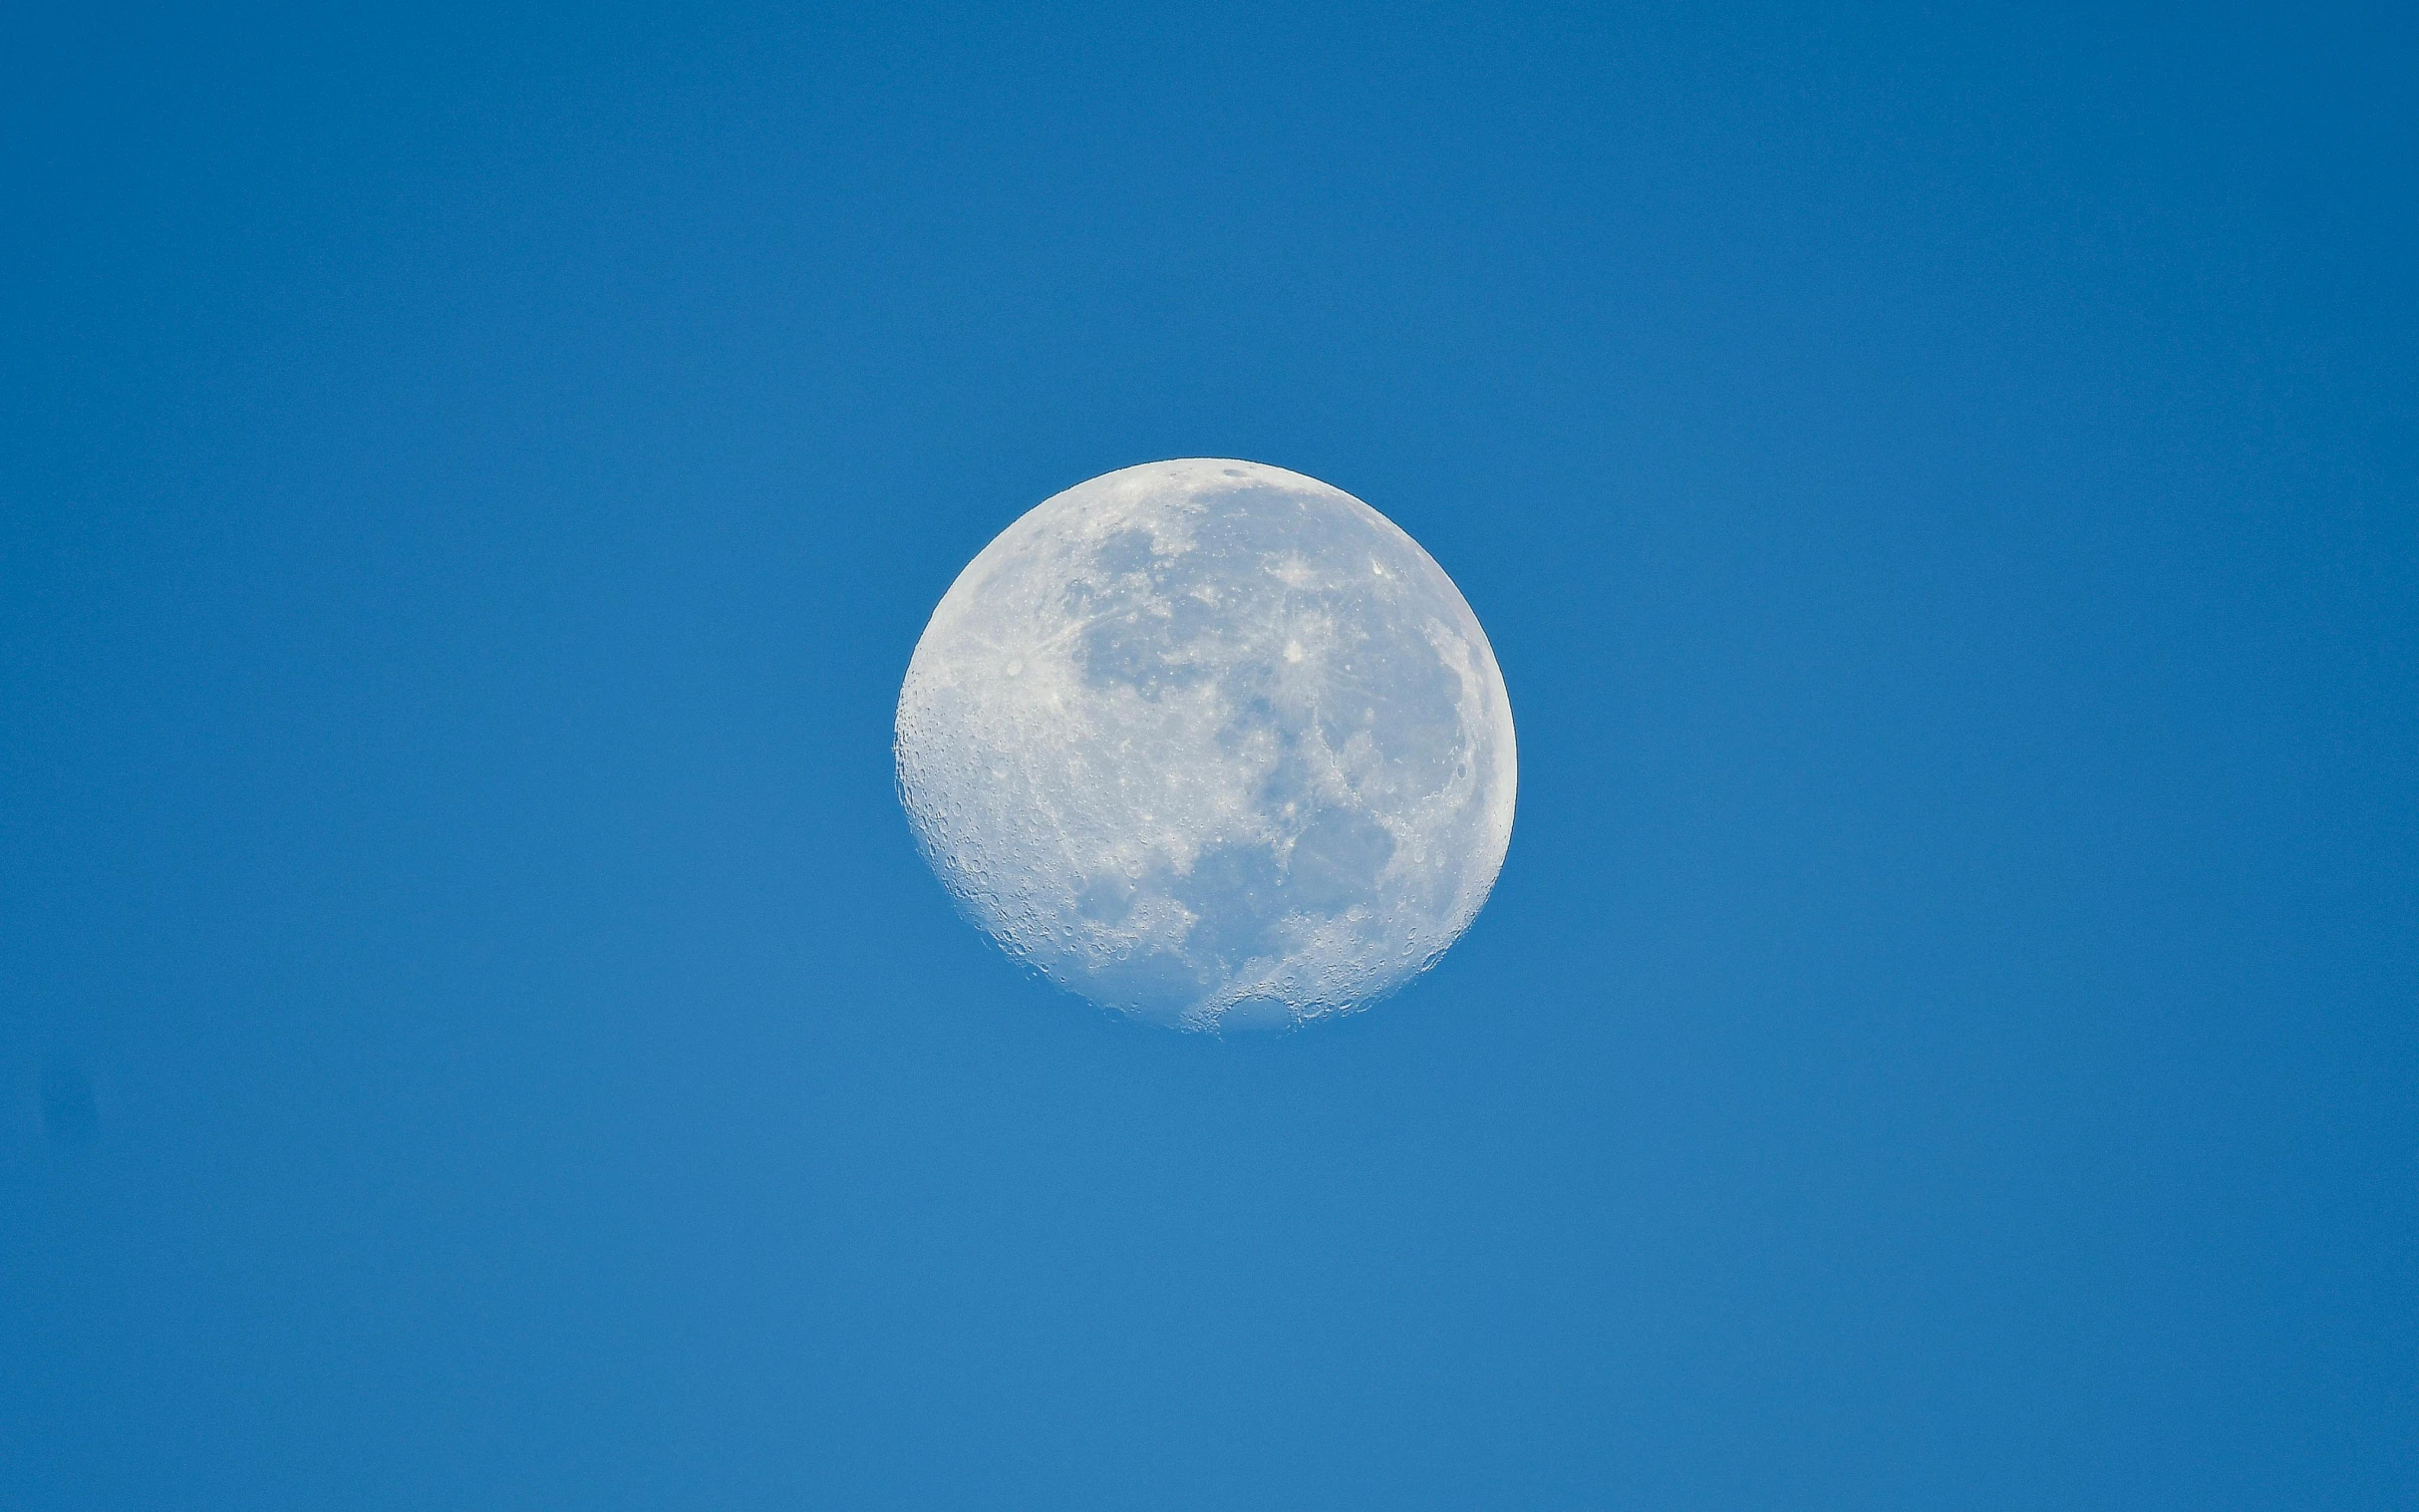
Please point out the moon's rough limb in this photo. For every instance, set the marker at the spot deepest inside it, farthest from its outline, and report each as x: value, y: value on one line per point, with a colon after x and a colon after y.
x: 1212, y: 743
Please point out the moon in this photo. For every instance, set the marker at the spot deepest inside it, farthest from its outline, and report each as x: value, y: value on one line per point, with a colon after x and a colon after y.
x: 1212, y: 744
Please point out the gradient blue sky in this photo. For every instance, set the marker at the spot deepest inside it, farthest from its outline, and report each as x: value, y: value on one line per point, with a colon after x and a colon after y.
x: 1942, y: 485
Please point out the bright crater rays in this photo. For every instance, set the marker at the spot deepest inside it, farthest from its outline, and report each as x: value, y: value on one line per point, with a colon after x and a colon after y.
x: 1211, y: 743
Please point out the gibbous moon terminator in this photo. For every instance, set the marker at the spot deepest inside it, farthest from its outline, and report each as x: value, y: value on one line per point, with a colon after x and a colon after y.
x: 1211, y: 743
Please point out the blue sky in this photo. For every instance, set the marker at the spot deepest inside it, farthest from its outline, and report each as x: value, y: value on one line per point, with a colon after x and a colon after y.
x: 474, y: 1029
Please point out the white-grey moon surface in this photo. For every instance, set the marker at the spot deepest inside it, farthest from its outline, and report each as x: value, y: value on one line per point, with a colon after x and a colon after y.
x: 1210, y: 742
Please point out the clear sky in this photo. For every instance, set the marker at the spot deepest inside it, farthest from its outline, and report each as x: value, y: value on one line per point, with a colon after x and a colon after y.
x: 475, y: 1030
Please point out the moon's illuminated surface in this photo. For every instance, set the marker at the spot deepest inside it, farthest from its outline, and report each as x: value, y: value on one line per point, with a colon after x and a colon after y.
x: 1211, y: 743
